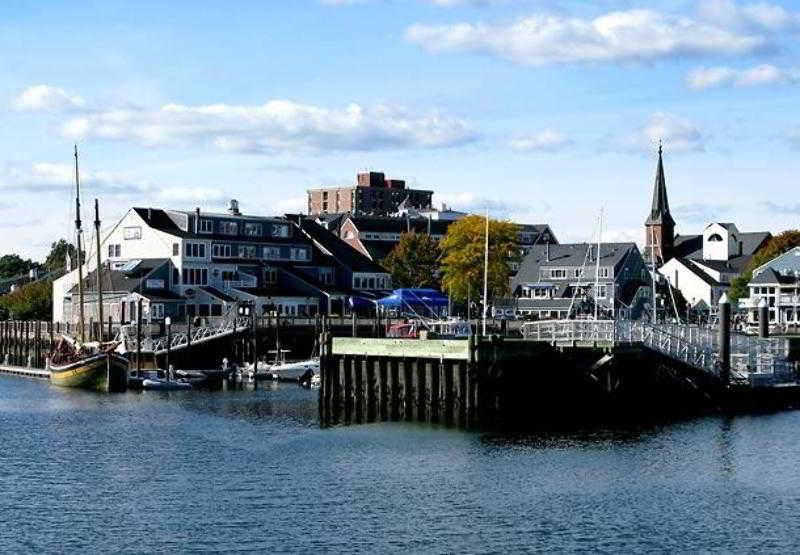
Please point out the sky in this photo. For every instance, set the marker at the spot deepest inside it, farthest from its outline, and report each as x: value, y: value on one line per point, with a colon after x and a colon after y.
x: 541, y: 111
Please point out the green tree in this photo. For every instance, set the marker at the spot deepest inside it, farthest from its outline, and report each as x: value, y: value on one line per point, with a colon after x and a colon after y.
x: 414, y: 261
x: 462, y: 257
x: 56, y: 259
x: 33, y: 301
x: 13, y: 265
x: 776, y: 246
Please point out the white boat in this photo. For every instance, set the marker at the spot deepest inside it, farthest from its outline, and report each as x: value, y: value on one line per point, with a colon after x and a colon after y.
x: 293, y: 371
x: 160, y: 384
x: 316, y: 381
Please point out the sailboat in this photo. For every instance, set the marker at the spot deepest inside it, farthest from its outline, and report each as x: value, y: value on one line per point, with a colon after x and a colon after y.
x: 76, y: 362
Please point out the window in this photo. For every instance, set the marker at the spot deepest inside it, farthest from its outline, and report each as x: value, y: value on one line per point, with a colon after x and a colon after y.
x: 176, y: 277
x: 195, y: 250
x: 202, y: 310
x: 601, y: 292
x: 154, y: 284
x: 281, y: 230
x: 247, y: 251
x: 298, y: 254
x: 133, y: 233
x: 272, y: 253
x: 176, y: 249
x: 252, y: 230
x: 356, y: 283
x: 216, y: 309
x: 326, y: 275
x: 195, y: 276
x: 157, y: 311
x: 716, y: 237
x: 603, y: 272
x: 221, y: 251
x: 270, y: 275
x: 114, y: 251
x: 228, y: 228
x: 578, y: 272
x: 558, y: 273
x: 206, y: 226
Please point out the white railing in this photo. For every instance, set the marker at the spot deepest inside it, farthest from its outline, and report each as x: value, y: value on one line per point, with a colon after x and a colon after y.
x: 696, y: 346
x: 180, y: 340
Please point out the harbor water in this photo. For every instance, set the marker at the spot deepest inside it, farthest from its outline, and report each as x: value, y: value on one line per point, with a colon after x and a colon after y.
x: 253, y: 470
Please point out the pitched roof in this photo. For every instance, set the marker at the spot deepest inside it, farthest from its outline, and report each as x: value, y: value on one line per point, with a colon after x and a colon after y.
x: 340, y: 251
x: 659, y: 211
x: 121, y: 281
x: 567, y: 255
x: 692, y: 267
x: 390, y: 224
x: 768, y: 276
x: 691, y: 246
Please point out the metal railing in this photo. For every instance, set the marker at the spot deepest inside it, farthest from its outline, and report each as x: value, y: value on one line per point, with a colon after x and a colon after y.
x: 182, y: 339
x: 696, y: 346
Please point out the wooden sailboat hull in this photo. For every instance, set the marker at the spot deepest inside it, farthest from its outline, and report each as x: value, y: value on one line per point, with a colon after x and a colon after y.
x: 100, y: 372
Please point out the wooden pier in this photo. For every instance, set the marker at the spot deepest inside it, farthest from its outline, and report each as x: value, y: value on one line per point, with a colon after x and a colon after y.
x: 561, y: 372
x: 25, y: 372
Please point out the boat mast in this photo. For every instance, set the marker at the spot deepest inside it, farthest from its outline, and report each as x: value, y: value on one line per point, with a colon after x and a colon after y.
x: 78, y: 232
x: 597, y: 263
x: 98, y: 272
x: 486, y: 273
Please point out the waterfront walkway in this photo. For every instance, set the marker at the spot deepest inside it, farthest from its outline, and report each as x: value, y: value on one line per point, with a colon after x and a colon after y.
x: 752, y: 359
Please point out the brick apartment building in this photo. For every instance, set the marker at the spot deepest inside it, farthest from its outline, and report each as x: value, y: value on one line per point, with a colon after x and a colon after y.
x: 372, y: 195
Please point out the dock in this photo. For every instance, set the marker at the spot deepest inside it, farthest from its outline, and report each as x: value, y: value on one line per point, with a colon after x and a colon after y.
x: 25, y: 372
x: 555, y: 372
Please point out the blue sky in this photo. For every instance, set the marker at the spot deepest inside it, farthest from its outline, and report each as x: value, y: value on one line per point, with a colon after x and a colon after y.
x: 544, y: 111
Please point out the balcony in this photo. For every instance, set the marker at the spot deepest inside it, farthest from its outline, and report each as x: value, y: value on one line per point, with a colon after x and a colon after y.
x: 789, y: 300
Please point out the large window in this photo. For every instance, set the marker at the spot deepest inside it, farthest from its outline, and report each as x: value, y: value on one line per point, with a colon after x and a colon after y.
x: 195, y: 276
x: 252, y: 230
x: 206, y: 226
x: 114, y: 251
x: 195, y: 250
x: 558, y: 273
x: 229, y: 228
x: 602, y: 292
x: 157, y: 311
x: 272, y: 253
x: 603, y: 272
x: 280, y: 230
x: 247, y: 251
x: 221, y: 251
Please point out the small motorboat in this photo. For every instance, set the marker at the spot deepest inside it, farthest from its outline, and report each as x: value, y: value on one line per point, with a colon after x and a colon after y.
x: 294, y: 371
x: 160, y: 384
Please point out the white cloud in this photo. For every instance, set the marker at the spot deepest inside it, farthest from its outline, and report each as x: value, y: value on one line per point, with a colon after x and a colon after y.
x: 764, y: 74
x: 634, y: 35
x: 276, y: 126
x: 547, y: 140
x: 755, y: 16
x: 44, y: 98
x: 678, y: 134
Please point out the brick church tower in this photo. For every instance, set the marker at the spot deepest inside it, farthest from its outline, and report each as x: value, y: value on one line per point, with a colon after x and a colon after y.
x: 659, y: 227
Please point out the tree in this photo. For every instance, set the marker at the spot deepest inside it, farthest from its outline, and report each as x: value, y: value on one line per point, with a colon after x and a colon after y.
x: 462, y: 257
x: 33, y: 301
x: 56, y: 259
x: 776, y: 246
x: 414, y: 261
x: 13, y: 265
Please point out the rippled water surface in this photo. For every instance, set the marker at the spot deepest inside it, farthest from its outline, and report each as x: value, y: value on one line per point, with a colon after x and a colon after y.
x: 245, y: 470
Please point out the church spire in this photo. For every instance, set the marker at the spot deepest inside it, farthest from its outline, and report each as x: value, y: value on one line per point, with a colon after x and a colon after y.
x: 659, y: 212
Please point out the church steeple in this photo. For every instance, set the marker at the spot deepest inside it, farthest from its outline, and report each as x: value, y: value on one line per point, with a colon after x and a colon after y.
x: 659, y: 226
x: 659, y: 212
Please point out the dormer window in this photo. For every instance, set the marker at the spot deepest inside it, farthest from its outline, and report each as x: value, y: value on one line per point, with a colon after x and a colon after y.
x: 252, y: 230
x: 205, y: 226
x: 716, y: 237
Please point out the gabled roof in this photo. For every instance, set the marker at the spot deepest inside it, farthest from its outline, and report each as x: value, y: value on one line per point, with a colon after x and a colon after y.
x: 567, y: 255
x: 341, y: 252
x: 119, y: 281
x: 691, y: 246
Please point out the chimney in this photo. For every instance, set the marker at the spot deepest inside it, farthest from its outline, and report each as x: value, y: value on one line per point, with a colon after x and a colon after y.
x: 233, y: 209
x: 197, y: 220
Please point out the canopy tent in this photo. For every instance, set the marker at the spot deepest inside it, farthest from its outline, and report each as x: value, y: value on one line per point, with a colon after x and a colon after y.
x: 415, y: 300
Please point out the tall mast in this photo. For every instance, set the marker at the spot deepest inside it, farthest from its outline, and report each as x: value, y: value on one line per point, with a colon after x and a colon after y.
x: 486, y: 273
x: 79, y: 246
x: 98, y: 271
x: 597, y: 263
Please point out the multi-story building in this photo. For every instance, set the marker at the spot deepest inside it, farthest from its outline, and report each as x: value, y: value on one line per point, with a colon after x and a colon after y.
x: 564, y: 280
x: 202, y: 264
x: 373, y: 194
x: 777, y: 282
